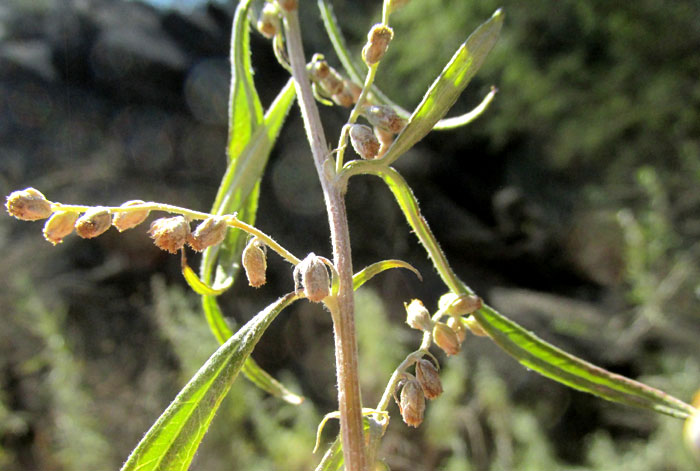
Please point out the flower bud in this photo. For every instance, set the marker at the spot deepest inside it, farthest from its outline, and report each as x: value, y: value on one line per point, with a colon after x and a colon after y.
x: 59, y: 225
x: 269, y: 21
x: 254, y: 262
x: 288, y: 5
x: 446, y: 338
x: 364, y: 141
x: 344, y: 98
x: 384, y: 117
x: 417, y: 316
x: 210, y: 232
x: 354, y: 89
x: 459, y: 305
x: 429, y: 378
x: 412, y: 404
x: 378, y: 41
x: 474, y: 326
x: 455, y: 323
x: 28, y: 204
x: 314, y: 278
x: 386, y: 139
x: 93, y: 222
x: 319, y: 68
x: 170, y: 234
x: 128, y: 219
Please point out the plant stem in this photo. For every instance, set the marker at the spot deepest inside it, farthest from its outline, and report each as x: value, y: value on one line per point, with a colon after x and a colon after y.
x: 349, y: 400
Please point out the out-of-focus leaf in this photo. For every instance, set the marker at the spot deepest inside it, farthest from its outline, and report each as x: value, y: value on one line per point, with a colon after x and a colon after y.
x: 172, y: 441
x: 554, y: 363
x: 333, y: 459
x: 353, y: 71
x: 445, y: 90
x: 245, y: 111
x: 370, y: 271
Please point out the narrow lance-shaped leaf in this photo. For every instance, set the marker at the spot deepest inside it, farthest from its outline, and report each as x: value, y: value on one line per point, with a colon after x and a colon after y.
x: 451, y: 82
x: 351, y: 68
x: 370, y: 271
x: 172, y: 442
x: 554, y: 363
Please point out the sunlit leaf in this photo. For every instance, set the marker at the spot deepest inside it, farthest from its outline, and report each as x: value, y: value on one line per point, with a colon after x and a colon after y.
x: 197, y: 285
x: 370, y: 271
x: 172, y: 442
x: 443, y: 93
x: 554, y: 363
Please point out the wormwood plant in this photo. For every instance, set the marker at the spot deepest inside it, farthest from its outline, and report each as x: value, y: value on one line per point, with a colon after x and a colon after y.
x: 228, y: 239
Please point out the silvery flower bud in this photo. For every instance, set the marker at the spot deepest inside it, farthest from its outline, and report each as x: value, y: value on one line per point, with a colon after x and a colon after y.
x: 455, y: 323
x: 428, y: 378
x: 384, y: 117
x: 459, y: 305
x: 93, y: 223
x: 378, y: 41
x: 417, y: 316
x: 59, y: 225
x: 269, y: 21
x: 412, y: 404
x: 254, y: 262
x: 446, y: 338
x: 28, y: 204
x: 314, y: 278
x: 170, y: 234
x: 129, y: 219
x: 474, y: 326
x: 210, y: 232
x: 364, y: 141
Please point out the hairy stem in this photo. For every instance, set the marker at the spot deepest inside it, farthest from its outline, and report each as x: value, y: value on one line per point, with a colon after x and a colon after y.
x: 349, y: 400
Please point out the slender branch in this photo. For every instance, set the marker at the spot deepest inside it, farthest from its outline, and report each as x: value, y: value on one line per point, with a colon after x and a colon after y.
x: 349, y: 400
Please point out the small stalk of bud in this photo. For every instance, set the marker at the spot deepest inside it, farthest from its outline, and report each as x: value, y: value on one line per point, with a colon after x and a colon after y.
x: 269, y: 22
x: 314, y: 278
x: 459, y: 305
x: 378, y: 41
x: 170, y: 234
x: 446, y: 338
x: 28, y: 205
x: 428, y: 378
x: 384, y: 117
x: 93, y: 223
x: 210, y: 232
x: 254, y: 262
x: 364, y: 141
x: 417, y: 316
x: 59, y: 225
x: 412, y: 404
x: 129, y: 219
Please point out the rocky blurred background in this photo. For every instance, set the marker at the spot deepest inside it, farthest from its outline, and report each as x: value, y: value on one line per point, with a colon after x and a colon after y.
x: 572, y: 205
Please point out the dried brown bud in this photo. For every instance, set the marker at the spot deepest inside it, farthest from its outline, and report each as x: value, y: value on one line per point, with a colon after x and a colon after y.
x: 254, y: 262
x: 364, y: 141
x: 446, y: 338
x: 210, y: 232
x: 59, y: 225
x: 455, y: 323
x: 170, y: 234
x: 344, y: 98
x: 429, y: 378
x: 459, y: 305
x: 288, y: 5
x: 386, y: 139
x: 354, y: 89
x: 128, y: 219
x: 319, y: 69
x: 333, y: 83
x: 417, y: 316
x: 378, y: 41
x: 28, y: 204
x: 269, y: 21
x: 384, y: 117
x: 412, y: 404
x: 93, y: 222
x: 475, y: 327
x: 314, y: 278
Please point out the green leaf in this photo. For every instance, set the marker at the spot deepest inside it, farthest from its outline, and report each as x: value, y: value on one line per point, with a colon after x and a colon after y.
x: 172, y: 441
x: 353, y: 70
x: 554, y: 363
x: 251, y: 369
x: 445, y: 90
x: 197, y: 285
x: 333, y: 459
x: 245, y: 110
x: 370, y: 271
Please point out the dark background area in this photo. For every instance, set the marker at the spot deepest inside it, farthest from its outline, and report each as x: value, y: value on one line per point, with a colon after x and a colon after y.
x: 572, y: 206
